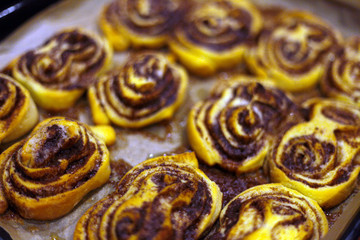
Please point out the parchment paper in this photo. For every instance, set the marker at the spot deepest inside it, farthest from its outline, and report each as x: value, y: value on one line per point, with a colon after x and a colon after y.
x: 136, y: 146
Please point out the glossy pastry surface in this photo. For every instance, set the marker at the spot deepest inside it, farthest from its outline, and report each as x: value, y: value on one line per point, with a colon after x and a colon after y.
x: 161, y: 198
x: 294, y: 51
x: 271, y: 211
x: 140, y: 23
x: 319, y: 158
x: 214, y: 35
x: 45, y: 175
x: 58, y: 72
x: 18, y: 113
x: 342, y: 78
x: 235, y: 127
x: 147, y: 89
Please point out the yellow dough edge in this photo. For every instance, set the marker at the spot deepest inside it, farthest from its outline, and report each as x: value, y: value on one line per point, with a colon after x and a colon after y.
x: 326, y: 196
x: 268, y: 188
x: 203, y: 149
x: 53, y: 207
x: 24, y: 121
x: 58, y: 99
x: 121, y: 38
x: 284, y: 81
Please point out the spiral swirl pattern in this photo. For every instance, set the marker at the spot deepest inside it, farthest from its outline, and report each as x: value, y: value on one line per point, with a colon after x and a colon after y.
x: 319, y: 158
x: 234, y: 128
x: 146, y: 90
x: 45, y: 175
x: 342, y: 78
x: 161, y: 198
x: 140, y: 23
x: 18, y: 113
x: 271, y: 211
x: 294, y: 50
x: 215, y: 35
x: 59, y: 72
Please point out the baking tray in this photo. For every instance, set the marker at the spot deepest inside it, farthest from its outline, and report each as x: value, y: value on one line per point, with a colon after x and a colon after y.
x: 342, y: 14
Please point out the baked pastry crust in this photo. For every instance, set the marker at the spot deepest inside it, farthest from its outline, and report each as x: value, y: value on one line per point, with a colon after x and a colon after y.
x: 45, y: 175
x: 319, y: 158
x: 271, y: 211
x: 294, y: 51
x: 58, y: 72
x: 18, y: 113
x: 147, y: 89
x: 160, y: 198
x: 214, y: 35
x: 140, y: 23
x: 233, y: 127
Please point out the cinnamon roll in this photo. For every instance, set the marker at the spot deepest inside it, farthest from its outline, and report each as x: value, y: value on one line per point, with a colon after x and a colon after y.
x: 148, y: 89
x: 235, y: 128
x: 18, y: 113
x: 214, y: 35
x: 271, y: 211
x: 294, y: 50
x: 58, y: 72
x: 140, y: 23
x: 161, y: 198
x: 319, y: 158
x: 45, y: 175
x: 341, y: 79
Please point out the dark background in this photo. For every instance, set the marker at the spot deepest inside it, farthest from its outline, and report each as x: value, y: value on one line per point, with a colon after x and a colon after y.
x: 14, y: 12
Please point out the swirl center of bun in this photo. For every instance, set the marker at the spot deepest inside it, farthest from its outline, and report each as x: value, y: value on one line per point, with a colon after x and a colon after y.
x: 307, y: 154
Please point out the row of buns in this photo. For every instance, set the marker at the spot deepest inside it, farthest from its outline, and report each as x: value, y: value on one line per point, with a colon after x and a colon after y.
x: 246, y: 123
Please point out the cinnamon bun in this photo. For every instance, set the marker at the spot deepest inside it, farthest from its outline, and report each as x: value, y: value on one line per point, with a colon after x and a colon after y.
x: 45, y: 175
x: 58, y: 72
x: 161, y: 198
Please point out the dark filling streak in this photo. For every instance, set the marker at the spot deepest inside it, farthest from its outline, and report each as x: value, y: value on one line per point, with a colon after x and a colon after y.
x: 149, y: 218
x: 305, y: 66
x: 77, y: 45
x: 259, y: 202
x: 237, y: 36
x: 274, y: 107
x: 231, y: 184
x: 97, y: 213
x: 4, y: 90
x: 303, y: 161
x: 154, y: 101
x: 341, y: 115
x: 119, y: 168
x: 127, y: 226
x: 53, y: 143
x: 118, y: 14
x: 236, y: 208
x: 349, y: 135
x: 15, y: 109
x: 238, y: 153
x: 53, y: 177
x: 341, y: 176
